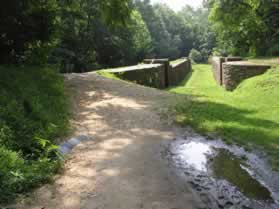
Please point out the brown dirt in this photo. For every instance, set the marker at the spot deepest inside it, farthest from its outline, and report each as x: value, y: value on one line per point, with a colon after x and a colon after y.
x: 121, y: 167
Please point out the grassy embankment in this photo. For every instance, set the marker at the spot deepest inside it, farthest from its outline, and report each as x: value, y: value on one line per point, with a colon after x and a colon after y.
x: 247, y: 116
x: 33, y: 114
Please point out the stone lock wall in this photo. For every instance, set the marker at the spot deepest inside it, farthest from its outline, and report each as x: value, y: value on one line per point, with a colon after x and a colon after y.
x: 156, y: 73
x: 235, y: 72
x: 217, y: 68
x: 152, y: 75
x: 217, y: 64
x: 166, y: 65
x: 230, y: 71
x: 177, y: 72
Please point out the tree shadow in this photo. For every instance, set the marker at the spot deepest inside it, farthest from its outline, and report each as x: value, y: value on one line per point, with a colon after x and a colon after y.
x: 126, y: 153
x: 232, y: 124
x: 184, y: 82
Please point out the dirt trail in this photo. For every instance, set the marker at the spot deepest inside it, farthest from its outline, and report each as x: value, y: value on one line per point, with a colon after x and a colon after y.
x: 120, y: 168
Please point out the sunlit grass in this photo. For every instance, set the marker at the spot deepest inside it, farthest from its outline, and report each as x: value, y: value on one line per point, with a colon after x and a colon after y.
x: 247, y: 116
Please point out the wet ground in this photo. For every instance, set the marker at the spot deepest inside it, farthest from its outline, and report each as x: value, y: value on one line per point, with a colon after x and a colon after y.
x: 225, y: 177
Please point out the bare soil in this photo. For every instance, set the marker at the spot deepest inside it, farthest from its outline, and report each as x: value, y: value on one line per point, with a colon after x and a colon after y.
x: 121, y: 166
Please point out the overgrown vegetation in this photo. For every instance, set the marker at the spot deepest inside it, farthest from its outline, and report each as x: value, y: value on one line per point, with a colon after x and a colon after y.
x: 247, y: 116
x: 33, y: 115
x: 245, y: 27
x: 33, y: 107
x: 32, y: 31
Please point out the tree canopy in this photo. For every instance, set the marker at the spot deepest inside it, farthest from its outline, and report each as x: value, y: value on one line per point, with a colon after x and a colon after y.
x: 82, y: 35
x: 30, y: 27
x: 246, y: 27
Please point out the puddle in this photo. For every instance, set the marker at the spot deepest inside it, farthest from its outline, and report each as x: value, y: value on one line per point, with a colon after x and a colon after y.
x: 224, y: 176
x: 195, y: 154
x: 226, y: 165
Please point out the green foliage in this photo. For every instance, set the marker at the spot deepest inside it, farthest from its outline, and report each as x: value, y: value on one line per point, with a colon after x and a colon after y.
x: 11, y: 165
x: 115, y: 11
x: 246, y: 27
x: 178, y: 32
x: 141, y: 38
x: 247, y: 116
x: 195, y: 56
x: 199, y: 56
x: 33, y: 114
x: 83, y: 35
x: 26, y: 27
x: 88, y: 42
x: 29, y: 30
x: 19, y: 175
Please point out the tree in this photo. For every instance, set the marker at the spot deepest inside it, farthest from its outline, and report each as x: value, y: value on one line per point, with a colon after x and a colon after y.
x: 200, y: 34
x: 88, y: 42
x: 246, y: 26
x: 178, y: 32
x: 26, y: 26
x: 29, y: 28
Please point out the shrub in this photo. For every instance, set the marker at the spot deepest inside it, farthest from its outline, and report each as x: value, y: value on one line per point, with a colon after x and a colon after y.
x: 11, y: 166
x: 33, y: 114
x: 195, y: 56
x: 19, y: 175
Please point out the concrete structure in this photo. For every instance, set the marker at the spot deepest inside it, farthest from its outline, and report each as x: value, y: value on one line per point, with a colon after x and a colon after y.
x: 230, y: 71
x: 235, y: 72
x: 157, y: 73
x: 178, y: 71
x: 217, y: 63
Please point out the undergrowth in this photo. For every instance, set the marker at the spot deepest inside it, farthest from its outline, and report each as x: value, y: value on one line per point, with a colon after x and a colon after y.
x: 33, y: 114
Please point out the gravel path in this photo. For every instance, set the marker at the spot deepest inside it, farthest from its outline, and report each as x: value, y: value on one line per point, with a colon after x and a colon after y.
x: 121, y: 167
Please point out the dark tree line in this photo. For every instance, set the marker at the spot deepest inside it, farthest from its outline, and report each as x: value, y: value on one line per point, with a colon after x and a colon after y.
x: 82, y: 35
x: 32, y: 30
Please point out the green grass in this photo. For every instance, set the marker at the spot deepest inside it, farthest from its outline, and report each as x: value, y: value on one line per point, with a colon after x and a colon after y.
x: 33, y: 115
x: 107, y: 74
x: 274, y: 61
x: 248, y: 116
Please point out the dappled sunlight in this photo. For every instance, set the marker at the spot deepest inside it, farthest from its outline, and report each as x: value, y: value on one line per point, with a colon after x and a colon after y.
x: 126, y: 134
x: 110, y: 172
x: 115, y: 144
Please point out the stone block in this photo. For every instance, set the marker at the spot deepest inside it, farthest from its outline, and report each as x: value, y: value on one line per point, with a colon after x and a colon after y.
x: 235, y: 72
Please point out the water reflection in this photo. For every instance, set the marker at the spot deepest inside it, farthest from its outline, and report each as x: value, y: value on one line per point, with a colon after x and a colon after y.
x: 226, y: 165
x: 225, y: 175
x: 195, y: 154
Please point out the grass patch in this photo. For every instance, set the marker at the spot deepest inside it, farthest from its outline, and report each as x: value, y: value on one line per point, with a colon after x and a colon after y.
x: 248, y: 116
x: 33, y: 114
x: 108, y: 75
x: 274, y: 61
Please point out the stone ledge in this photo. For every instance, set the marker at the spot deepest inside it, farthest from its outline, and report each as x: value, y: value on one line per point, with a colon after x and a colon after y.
x: 156, y: 73
x: 230, y: 71
x: 234, y: 73
x: 247, y: 63
x: 132, y: 68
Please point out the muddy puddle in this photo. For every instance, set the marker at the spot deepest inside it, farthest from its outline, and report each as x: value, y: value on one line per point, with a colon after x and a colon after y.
x: 223, y: 176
